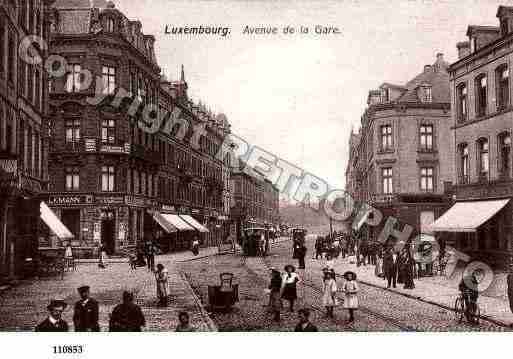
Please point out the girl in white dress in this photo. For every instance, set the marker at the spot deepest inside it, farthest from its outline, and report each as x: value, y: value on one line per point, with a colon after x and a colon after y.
x: 350, y: 294
x: 329, y: 296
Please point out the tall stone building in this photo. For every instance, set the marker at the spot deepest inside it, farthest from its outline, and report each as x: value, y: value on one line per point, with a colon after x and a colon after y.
x: 23, y: 133
x: 113, y: 182
x: 480, y: 222
x: 255, y: 200
x: 401, y: 159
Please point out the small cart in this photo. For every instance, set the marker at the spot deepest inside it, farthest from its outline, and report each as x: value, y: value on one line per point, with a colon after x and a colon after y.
x: 223, y: 296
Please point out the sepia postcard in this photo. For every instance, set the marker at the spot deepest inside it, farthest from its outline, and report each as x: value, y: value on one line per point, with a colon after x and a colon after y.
x: 254, y: 166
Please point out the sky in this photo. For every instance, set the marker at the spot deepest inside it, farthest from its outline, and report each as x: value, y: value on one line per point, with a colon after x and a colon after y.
x: 299, y: 96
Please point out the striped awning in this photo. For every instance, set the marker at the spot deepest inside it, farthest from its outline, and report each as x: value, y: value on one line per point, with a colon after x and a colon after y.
x: 54, y: 223
x: 159, y: 218
x: 190, y: 220
x: 177, y: 222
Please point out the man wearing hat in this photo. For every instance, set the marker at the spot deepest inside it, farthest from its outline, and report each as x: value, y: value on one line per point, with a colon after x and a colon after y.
x: 85, y: 317
x: 54, y: 322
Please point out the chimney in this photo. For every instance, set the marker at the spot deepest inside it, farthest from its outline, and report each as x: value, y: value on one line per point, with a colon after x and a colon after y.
x: 427, y: 68
x: 463, y: 49
x: 439, y: 57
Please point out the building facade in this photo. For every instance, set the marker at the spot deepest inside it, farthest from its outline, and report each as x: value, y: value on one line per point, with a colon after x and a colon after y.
x: 109, y: 173
x: 400, y: 160
x: 23, y: 133
x: 255, y: 200
x: 482, y: 121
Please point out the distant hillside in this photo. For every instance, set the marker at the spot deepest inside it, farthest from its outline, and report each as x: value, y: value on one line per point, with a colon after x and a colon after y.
x: 314, y: 221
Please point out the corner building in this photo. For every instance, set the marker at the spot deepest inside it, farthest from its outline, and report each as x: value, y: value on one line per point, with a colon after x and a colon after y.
x: 480, y: 223
x: 109, y: 177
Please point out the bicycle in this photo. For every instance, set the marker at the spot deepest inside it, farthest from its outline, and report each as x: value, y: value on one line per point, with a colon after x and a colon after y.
x: 460, y: 309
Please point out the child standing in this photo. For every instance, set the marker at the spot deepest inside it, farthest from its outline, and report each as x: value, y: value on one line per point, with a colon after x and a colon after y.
x: 350, y: 294
x: 329, y: 299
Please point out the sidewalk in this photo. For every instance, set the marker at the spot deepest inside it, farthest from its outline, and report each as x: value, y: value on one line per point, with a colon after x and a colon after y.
x: 436, y: 290
x: 24, y: 305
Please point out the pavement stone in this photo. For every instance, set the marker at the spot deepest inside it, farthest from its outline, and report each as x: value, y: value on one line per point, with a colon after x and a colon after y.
x: 23, y: 306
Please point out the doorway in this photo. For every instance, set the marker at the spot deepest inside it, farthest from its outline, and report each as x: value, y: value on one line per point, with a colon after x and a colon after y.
x: 108, y: 231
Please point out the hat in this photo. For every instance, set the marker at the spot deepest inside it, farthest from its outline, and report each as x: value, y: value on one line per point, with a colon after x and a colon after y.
x: 289, y: 266
x: 83, y: 288
x: 346, y: 274
x: 54, y: 303
x: 325, y: 269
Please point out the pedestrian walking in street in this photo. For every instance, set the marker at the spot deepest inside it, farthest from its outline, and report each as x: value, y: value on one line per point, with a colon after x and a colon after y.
x: 304, y: 324
x: 378, y: 269
x: 275, y: 294
x: 127, y: 316
x: 318, y: 247
x: 183, y: 323
x: 329, y: 293
x: 195, y: 245
x: 102, y: 251
x: 54, y: 321
x: 390, y: 268
x: 85, y: 316
x: 290, y: 280
x: 68, y: 257
x: 401, y: 268
x: 350, y: 294
x: 161, y: 277
x: 409, y: 269
x: 149, y: 251
x: 301, y: 253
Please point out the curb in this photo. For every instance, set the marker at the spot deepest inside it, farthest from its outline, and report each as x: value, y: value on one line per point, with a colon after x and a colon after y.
x: 208, y: 321
x: 483, y: 317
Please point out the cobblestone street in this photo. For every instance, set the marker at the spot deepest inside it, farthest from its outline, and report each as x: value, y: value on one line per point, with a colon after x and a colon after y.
x: 23, y: 306
x: 380, y: 310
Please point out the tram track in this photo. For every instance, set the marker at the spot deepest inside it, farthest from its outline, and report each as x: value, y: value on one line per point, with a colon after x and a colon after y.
x: 309, y: 284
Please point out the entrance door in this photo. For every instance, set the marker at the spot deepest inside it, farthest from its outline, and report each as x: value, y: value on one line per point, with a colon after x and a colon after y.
x: 108, y: 231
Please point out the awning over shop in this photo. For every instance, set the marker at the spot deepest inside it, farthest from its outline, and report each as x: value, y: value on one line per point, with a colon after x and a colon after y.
x: 159, y: 218
x: 54, y: 223
x: 467, y: 216
x: 190, y: 220
x: 177, y: 222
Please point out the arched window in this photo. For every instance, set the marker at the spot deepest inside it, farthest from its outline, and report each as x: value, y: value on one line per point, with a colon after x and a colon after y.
x: 462, y: 102
x: 483, y: 158
x: 464, y: 163
x: 110, y: 24
x: 504, y: 154
x: 502, y: 86
x: 481, y: 86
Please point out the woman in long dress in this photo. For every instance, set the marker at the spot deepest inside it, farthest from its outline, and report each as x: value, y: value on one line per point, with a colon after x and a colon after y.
x: 329, y: 299
x: 350, y: 294
x: 275, y: 294
x: 290, y: 279
x: 378, y: 270
x: 161, y: 276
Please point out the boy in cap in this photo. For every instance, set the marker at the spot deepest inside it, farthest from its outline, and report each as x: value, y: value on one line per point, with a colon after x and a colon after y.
x: 54, y: 322
x: 85, y: 317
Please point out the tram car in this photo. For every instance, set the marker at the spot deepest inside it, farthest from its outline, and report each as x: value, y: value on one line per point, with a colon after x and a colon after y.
x: 255, y: 241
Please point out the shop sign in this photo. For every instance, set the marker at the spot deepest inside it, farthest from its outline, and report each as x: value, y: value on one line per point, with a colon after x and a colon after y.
x: 111, y: 200
x: 96, y: 231
x: 112, y: 149
x: 69, y: 200
x: 90, y: 144
x: 168, y: 208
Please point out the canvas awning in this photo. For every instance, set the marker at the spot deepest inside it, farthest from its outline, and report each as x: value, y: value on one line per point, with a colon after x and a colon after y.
x: 177, y: 222
x: 467, y: 216
x: 190, y: 220
x: 159, y: 218
x: 54, y: 223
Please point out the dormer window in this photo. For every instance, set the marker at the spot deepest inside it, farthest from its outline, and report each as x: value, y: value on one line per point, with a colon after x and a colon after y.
x: 385, y: 95
x: 110, y: 25
x: 425, y: 92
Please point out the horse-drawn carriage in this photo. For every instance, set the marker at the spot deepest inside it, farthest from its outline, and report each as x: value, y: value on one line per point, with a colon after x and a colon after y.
x: 255, y: 241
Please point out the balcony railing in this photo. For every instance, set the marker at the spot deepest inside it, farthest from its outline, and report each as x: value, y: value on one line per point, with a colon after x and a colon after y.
x: 383, y: 198
x: 145, y: 154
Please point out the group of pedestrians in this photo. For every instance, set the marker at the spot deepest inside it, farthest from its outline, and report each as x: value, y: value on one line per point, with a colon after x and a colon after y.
x: 282, y: 287
x: 398, y: 268
x: 330, y: 288
x: 125, y: 317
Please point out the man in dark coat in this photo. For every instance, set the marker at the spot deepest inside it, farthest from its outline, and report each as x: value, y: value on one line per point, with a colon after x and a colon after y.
x: 150, y: 250
x: 127, y: 316
x: 54, y: 322
x: 301, y: 253
x: 85, y: 317
x: 390, y: 268
x: 304, y: 324
x: 318, y: 247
